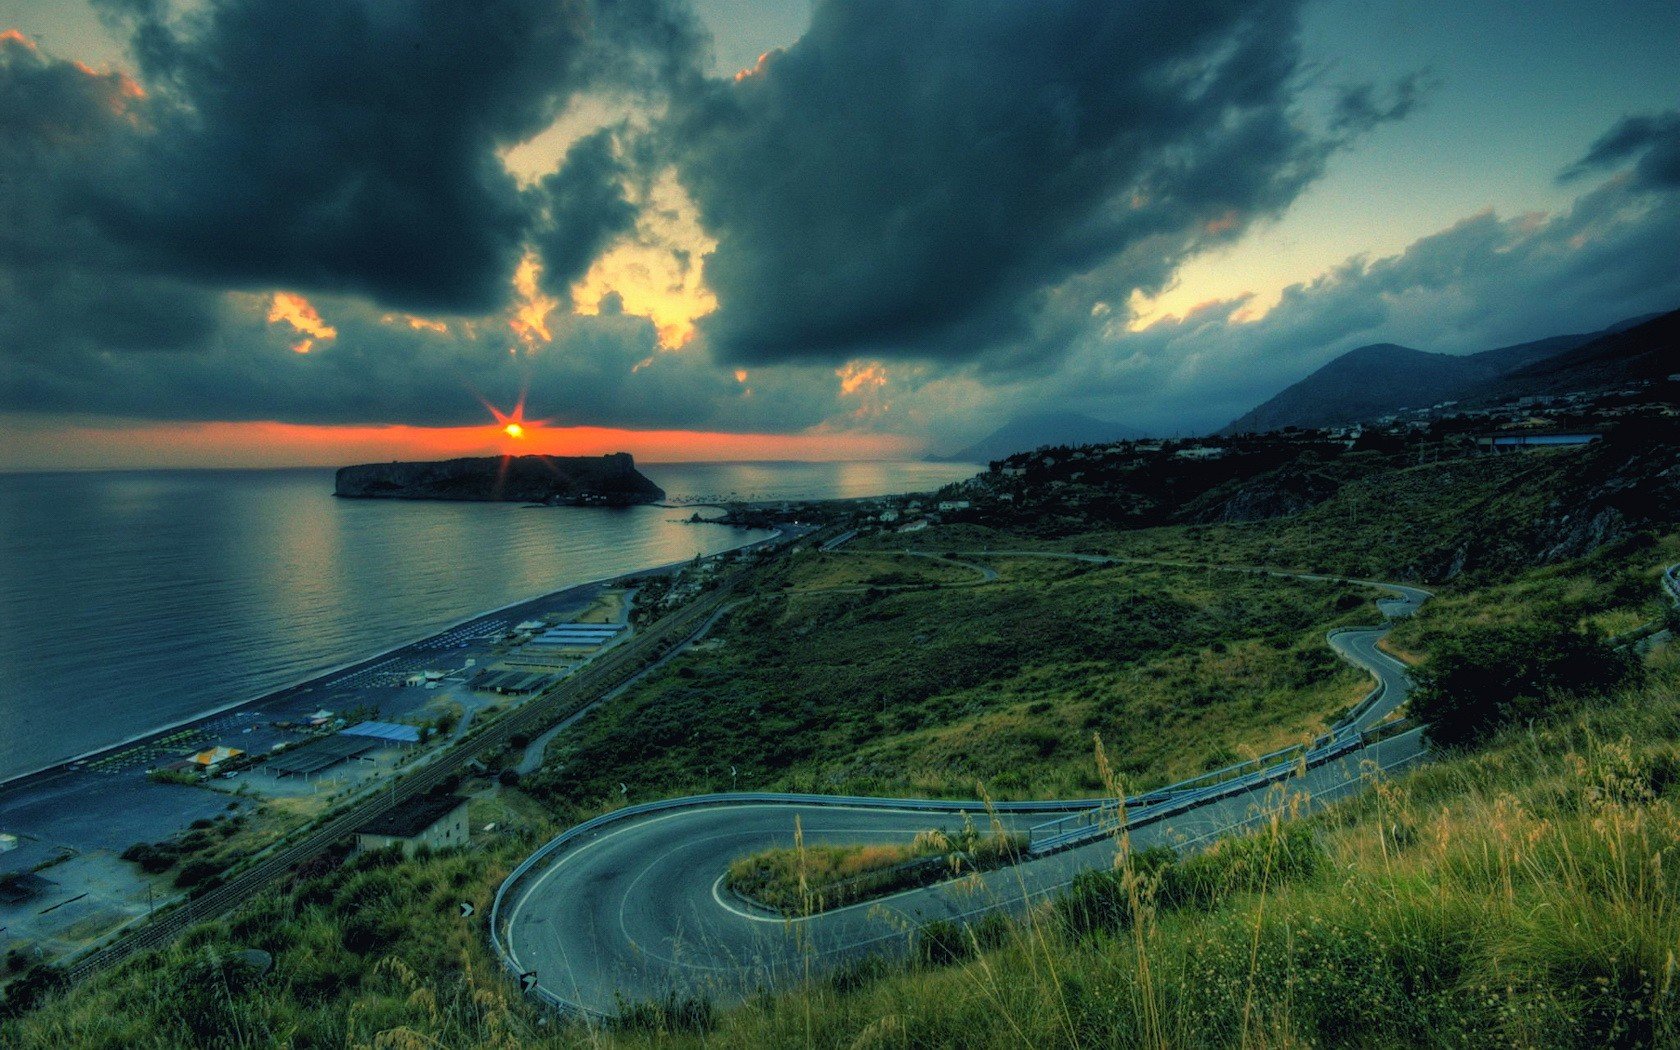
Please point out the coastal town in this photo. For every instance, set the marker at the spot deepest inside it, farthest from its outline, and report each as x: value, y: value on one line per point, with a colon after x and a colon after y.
x: 95, y: 844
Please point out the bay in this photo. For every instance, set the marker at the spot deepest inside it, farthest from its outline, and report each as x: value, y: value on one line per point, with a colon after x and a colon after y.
x: 131, y: 600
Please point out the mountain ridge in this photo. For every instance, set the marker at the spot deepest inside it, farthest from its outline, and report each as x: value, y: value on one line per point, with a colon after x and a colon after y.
x: 1380, y: 379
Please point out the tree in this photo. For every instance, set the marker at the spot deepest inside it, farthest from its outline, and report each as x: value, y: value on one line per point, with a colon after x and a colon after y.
x: 1490, y: 677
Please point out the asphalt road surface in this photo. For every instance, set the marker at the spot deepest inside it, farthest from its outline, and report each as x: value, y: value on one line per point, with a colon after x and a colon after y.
x: 637, y: 909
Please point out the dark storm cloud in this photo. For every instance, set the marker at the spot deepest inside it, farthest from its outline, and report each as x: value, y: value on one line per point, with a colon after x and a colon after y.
x: 353, y: 147
x: 912, y: 179
x: 1482, y: 283
x: 584, y: 208
x: 599, y: 371
x: 337, y: 148
x: 1651, y: 142
x: 63, y: 284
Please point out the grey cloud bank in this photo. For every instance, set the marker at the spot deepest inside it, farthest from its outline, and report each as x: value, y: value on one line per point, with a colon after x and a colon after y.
x: 966, y: 191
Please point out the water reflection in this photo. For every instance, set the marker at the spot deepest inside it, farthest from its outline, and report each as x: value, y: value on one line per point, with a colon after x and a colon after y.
x: 136, y: 599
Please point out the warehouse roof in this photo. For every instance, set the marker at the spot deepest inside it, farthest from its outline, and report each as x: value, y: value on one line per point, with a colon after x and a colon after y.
x: 413, y: 817
x: 310, y: 758
x: 392, y: 732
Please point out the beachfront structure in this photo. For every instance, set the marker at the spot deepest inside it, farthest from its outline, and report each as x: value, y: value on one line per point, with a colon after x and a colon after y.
x: 434, y: 821
x: 384, y: 732
x: 210, y: 758
x: 314, y: 757
x: 577, y: 636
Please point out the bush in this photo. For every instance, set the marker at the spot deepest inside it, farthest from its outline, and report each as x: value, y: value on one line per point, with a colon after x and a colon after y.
x: 671, y: 1014
x: 27, y: 991
x: 364, y: 933
x: 940, y: 942
x: 1099, y: 900
x: 195, y: 872
x: 153, y: 860
x: 1489, y: 677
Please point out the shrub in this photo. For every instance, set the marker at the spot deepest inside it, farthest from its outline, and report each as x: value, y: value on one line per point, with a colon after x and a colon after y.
x: 1100, y: 901
x: 1488, y: 677
x: 940, y: 942
x: 153, y: 860
x: 693, y: 1013
x: 27, y: 991
x: 195, y: 872
x: 364, y: 933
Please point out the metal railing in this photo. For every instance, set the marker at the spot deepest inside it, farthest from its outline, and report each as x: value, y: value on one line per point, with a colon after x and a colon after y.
x: 536, y: 864
x: 1086, y: 822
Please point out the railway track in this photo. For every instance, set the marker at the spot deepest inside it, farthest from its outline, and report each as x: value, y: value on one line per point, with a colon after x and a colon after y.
x: 589, y: 686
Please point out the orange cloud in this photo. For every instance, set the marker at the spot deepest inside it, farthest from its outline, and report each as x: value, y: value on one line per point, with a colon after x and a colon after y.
x: 14, y: 36
x: 127, y: 88
x: 297, y: 311
x: 1223, y: 224
x: 861, y: 376
x: 530, y: 315
x: 418, y: 324
x: 659, y: 271
x: 757, y: 68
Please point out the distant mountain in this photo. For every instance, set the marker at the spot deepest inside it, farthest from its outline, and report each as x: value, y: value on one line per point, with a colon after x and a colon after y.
x: 1025, y: 433
x: 1650, y: 350
x: 1382, y: 379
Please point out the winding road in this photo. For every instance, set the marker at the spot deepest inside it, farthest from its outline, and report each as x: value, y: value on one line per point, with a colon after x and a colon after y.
x: 631, y: 906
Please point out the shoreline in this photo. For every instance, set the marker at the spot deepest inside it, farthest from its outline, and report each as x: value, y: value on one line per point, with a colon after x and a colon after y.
x: 60, y: 765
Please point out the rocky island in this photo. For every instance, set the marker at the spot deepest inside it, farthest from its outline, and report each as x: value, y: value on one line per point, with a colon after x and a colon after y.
x: 610, y: 480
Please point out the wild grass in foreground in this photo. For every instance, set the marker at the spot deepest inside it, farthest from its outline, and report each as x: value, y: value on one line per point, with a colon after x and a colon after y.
x: 1522, y: 894
x: 1526, y: 895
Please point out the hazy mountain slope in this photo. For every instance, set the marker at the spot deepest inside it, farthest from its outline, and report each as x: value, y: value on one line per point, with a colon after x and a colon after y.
x: 1381, y: 379
x: 1027, y: 432
x: 1364, y: 384
x: 1646, y: 351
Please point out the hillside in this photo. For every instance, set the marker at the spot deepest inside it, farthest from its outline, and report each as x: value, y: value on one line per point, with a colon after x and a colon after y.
x: 1496, y: 897
x: 1024, y: 433
x: 1647, y: 351
x: 1381, y: 379
x: 610, y: 479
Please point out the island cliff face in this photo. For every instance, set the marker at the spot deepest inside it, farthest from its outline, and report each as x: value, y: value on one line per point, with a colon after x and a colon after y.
x: 611, y: 480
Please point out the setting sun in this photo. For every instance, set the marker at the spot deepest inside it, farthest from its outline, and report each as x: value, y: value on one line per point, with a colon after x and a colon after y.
x: 514, y: 430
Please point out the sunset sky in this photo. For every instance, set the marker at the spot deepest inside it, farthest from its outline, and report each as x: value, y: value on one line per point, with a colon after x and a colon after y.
x: 270, y: 232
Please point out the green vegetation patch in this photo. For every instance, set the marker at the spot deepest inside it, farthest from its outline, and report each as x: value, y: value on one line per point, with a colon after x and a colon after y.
x: 926, y: 692
x: 807, y: 879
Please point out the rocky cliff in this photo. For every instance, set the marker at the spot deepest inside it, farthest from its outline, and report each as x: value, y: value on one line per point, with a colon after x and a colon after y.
x: 609, y: 480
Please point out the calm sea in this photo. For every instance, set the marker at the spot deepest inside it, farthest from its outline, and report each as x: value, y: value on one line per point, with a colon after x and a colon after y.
x: 131, y: 600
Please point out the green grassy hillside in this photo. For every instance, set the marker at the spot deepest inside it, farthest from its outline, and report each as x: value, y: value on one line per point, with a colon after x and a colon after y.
x: 1524, y: 894
x: 1521, y: 893
x: 930, y: 691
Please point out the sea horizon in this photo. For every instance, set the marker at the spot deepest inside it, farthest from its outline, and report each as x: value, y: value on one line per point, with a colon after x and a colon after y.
x: 133, y: 599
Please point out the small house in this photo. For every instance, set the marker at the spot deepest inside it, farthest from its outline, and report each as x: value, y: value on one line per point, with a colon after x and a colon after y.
x: 434, y: 821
